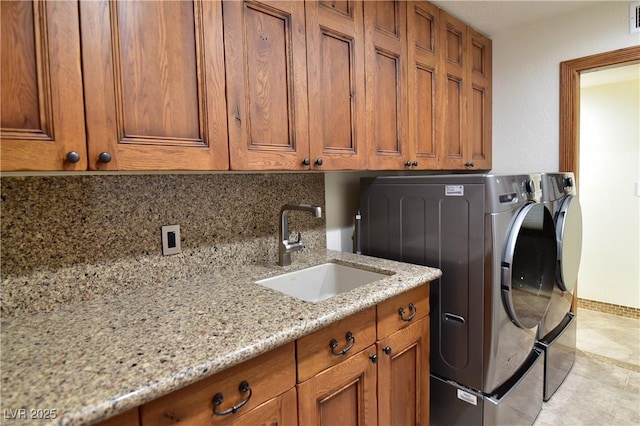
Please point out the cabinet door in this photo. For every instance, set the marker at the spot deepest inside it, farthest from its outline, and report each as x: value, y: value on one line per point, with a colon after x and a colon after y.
x: 335, y: 59
x: 154, y: 79
x: 480, y: 59
x: 386, y: 78
x: 403, y: 376
x: 453, y: 57
x: 344, y: 394
x: 266, y: 69
x: 423, y: 48
x: 42, y: 116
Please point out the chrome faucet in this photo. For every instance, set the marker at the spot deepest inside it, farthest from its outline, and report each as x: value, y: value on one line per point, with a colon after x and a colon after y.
x: 286, y: 247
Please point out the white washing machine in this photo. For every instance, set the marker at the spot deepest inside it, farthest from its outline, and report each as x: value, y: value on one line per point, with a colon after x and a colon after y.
x: 557, y: 330
x: 495, y: 243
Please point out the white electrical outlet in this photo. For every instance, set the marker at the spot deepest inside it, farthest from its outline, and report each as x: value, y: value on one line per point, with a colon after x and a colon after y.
x: 171, y: 240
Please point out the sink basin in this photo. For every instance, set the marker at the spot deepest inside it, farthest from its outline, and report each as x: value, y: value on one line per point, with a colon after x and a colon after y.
x: 321, y: 282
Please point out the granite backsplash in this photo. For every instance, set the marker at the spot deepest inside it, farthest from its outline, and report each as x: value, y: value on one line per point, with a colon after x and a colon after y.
x: 67, y: 239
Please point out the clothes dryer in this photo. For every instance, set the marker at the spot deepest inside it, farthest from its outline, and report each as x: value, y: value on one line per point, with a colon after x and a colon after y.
x: 557, y: 330
x: 495, y: 243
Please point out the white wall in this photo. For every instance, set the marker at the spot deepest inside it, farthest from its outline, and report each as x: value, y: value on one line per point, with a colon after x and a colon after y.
x: 341, y: 199
x: 526, y: 81
x: 342, y: 193
x: 609, y: 171
x: 526, y: 86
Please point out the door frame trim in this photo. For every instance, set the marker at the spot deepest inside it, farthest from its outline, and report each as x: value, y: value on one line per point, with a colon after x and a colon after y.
x: 570, y: 109
x: 570, y: 100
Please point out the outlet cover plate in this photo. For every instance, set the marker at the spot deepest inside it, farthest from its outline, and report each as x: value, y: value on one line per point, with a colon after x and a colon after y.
x: 171, y: 240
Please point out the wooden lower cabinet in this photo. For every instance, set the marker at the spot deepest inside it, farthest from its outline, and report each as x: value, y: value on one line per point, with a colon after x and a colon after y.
x: 281, y: 410
x: 344, y: 394
x: 403, y: 376
x: 384, y: 384
x: 371, y: 368
x: 269, y: 378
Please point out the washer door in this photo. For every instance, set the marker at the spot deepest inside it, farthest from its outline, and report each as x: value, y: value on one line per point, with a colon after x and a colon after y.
x: 569, y: 238
x: 529, y: 265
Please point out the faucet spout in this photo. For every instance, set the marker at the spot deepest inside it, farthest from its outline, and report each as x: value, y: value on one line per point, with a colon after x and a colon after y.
x: 286, y: 247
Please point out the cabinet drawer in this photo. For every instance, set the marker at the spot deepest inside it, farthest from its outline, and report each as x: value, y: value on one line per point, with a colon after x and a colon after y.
x: 268, y: 376
x: 281, y: 410
x: 402, y: 310
x: 335, y: 343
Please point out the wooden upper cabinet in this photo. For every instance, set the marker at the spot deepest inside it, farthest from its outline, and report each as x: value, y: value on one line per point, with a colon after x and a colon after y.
x: 453, y: 58
x: 423, y: 72
x: 465, y: 96
x: 386, y: 83
x: 335, y: 60
x: 154, y: 84
x: 266, y: 72
x: 480, y: 105
x: 42, y: 116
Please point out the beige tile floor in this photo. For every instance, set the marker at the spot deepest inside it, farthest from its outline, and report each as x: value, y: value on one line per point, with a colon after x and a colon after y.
x: 603, y: 387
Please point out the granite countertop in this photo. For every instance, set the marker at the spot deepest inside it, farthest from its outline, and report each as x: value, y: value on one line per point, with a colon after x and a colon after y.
x: 93, y: 360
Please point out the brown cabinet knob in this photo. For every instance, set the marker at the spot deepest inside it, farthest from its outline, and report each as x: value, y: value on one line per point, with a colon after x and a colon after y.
x: 73, y: 157
x: 104, y: 157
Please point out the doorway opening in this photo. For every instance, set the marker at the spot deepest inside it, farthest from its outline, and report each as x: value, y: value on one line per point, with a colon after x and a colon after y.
x: 570, y: 72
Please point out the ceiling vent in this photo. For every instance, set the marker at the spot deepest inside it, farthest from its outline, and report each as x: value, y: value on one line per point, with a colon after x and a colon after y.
x: 634, y: 17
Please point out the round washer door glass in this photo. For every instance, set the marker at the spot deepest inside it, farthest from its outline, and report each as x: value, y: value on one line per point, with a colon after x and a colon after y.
x: 569, y: 236
x: 529, y: 265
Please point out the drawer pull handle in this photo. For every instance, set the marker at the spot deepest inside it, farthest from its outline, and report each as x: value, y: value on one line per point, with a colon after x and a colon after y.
x: 334, y: 344
x: 413, y: 310
x: 218, y: 398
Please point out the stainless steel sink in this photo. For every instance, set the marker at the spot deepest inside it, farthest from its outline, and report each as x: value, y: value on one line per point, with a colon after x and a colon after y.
x: 321, y: 282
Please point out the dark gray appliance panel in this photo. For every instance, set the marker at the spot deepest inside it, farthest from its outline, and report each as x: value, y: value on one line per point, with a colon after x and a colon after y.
x: 452, y: 404
x: 419, y: 223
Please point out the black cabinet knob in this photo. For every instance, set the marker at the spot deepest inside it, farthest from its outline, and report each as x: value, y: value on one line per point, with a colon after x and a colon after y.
x: 306, y: 162
x: 73, y: 157
x: 414, y: 164
x: 407, y: 163
x: 104, y: 157
x: 318, y: 161
x: 469, y: 165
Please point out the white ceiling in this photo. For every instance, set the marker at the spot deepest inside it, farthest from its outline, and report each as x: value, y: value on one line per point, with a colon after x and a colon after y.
x: 494, y: 17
